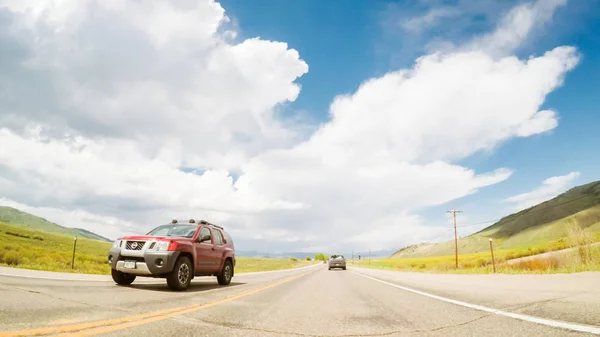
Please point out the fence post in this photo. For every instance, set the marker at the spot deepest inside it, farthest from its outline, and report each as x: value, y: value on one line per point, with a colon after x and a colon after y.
x: 74, y: 245
x: 493, y: 261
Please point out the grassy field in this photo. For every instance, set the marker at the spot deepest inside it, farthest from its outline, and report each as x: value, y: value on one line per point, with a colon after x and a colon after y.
x: 33, y: 249
x: 585, y: 257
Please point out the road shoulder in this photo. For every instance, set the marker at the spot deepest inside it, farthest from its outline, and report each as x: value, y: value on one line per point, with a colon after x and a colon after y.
x: 565, y: 297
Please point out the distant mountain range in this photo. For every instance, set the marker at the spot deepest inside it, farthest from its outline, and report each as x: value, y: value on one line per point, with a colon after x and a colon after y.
x: 15, y: 217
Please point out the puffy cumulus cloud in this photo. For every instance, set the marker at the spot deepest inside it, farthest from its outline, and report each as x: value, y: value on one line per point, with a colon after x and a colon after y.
x: 122, y: 105
x: 145, y: 71
x: 67, y: 172
x: 447, y: 107
x: 549, y: 189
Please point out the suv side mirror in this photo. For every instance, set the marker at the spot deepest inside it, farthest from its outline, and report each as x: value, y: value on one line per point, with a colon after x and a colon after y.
x: 205, y: 238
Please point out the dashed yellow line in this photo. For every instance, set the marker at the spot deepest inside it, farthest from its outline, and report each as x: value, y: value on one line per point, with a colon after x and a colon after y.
x: 104, y: 326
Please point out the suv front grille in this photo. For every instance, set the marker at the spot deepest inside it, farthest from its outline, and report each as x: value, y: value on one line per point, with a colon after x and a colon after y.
x: 134, y: 245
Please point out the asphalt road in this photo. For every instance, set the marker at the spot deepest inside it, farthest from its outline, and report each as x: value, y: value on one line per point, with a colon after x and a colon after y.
x: 308, y: 302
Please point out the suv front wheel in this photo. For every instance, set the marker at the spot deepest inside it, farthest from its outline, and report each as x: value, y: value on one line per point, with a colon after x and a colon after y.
x: 226, y: 274
x: 181, y: 275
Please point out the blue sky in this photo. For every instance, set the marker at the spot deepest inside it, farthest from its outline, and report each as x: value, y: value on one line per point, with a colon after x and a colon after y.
x: 345, y: 43
x: 291, y: 124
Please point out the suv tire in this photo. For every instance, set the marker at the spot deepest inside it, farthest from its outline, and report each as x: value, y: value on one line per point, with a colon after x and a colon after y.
x: 224, y: 278
x: 121, y: 278
x: 181, y: 276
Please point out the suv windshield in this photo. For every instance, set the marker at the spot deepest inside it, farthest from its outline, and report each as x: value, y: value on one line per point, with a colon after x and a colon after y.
x: 186, y: 231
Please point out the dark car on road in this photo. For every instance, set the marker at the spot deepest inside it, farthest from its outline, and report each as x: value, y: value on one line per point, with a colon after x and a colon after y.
x: 176, y: 251
x: 337, y: 261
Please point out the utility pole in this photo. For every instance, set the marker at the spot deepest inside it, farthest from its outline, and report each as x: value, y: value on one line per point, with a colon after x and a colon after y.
x: 454, y: 211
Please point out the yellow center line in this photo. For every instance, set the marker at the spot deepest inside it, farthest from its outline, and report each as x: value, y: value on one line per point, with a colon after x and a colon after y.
x: 136, y: 320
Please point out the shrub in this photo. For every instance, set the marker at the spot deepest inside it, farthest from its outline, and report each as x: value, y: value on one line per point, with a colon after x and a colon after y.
x: 308, y: 258
x: 19, y: 235
x: 37, y: 237
x: 293, y: 259
x: 12, y: 258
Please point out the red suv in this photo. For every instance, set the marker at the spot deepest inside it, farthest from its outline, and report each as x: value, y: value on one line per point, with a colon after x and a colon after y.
x: 177, y: 252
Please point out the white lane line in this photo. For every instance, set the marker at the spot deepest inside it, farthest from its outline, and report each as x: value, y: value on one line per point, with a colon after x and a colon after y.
x: 556, y: 324
x: 53, y: 278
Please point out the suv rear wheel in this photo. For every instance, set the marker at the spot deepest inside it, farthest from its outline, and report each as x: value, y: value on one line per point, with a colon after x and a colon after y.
x: 224, y: 277
x: 122, y: 278
x: 181, y: 275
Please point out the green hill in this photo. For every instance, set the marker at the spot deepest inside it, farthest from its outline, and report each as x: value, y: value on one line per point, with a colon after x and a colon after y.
x: 545, y: 224
x: 15, y: 217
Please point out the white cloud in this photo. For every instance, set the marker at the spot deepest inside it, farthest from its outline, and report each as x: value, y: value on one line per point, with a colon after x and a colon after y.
x: 147, y: 71
x: 516, y: 26
x: 105, y: 130
x: 549, y: 189
x: 429, y: 19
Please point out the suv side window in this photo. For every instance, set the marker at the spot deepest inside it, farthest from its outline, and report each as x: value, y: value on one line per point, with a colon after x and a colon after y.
x: 217, y: 237
x: 203, y: 232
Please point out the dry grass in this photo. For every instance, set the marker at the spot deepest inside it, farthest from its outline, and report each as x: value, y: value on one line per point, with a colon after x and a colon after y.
x: 582, y: 240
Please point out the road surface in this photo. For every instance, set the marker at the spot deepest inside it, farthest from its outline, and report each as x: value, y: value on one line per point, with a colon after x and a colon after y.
x: 307, y: 302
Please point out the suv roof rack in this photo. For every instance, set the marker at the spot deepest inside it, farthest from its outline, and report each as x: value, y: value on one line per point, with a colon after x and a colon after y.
x: 204, y: 222
x: 177, y: 221
x: 200, y: 222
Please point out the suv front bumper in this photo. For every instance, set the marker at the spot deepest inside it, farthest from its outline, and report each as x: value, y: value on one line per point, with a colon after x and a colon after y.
x: 146, y: 264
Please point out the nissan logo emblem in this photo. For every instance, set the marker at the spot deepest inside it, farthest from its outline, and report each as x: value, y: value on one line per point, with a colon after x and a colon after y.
x: 133, y: 245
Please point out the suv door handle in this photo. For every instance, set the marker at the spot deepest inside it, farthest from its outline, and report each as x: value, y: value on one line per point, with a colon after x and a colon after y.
x: 213, y: 248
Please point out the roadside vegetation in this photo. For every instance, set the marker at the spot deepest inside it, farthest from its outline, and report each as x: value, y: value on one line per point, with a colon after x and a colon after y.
x: 578, y: 251
x: 33, y: 249
x: 321, y: 257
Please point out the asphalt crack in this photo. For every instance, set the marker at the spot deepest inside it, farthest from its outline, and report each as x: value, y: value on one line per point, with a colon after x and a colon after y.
x: 453, y: 325
x: 61, y: 299
x: 550, y: 300
x: 280, y: 332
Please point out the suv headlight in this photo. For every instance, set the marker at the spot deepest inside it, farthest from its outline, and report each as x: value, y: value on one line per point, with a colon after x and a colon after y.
x: 117, y: 243
x: 161, y: 246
